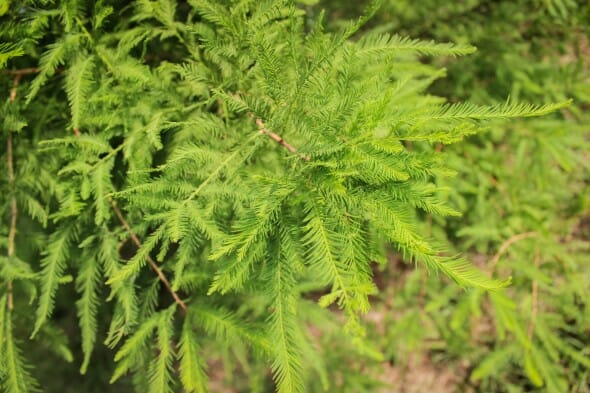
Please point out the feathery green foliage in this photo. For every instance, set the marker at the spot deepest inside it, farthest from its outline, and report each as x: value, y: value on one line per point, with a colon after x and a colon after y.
x: 194, y: 180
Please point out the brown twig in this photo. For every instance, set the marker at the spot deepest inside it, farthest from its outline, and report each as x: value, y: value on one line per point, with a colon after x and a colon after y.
x: 152, y: 263
x: 13, y: 205
x: 13, y: 213
x: 535, y: 299
x: 15, y: 83
x: 278, y: 139
x: 511, y: 240
x: 22, y: 71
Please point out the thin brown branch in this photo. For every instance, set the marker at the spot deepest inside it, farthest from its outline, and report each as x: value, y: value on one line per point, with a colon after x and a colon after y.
x: 278, y: 139
x: 511, y: 240
x: 152, y: 263
x: 22, y: 71
x: 15, y: 83
x: 535, y: 300
x: 13, y: 212
x: 13, y: 205
x: 275, y: 137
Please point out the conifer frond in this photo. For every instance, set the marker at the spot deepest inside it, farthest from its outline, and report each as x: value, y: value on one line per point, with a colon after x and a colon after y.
x: 378, y: 168
x: 132, y: 37
x: 133, y: 348
x: 386, y: 44
x: 135, y: 264
x: 160, y: 369
x: 53, y: 265
x: 192, y: 365
x: 214, y: 13
x: 101, y: 186
x: 50, y: 60
x: 90, y: 144
x: 397, y: 228
x: 249, y: 241
x: 162, y: 10
x: 78, y: 85
x: 287, y: 365
x: 236, y: 271
x: 87, y: 284
x: 422, y: 196
x: 492, y: 362
x: 321, y: 243
x: 7, y: 51
x: 368, y: 12
x: 500, y: 111
x: 272, y: 69
x: 395, y: 220
x: 127, y: 308
x: 101, y: 14
x: 189, y: 156
x: 13, y: 268
x: 228, y: 328
x: 277, y: 11
x: 71, y: 11
x: 34, y: 208
x: 463, y: 272
x: 15, y: 377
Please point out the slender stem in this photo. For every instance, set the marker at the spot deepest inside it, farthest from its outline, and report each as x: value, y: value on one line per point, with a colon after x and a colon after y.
x: 152, y: 263
x: 275, y: 137
x: 506, y: 244
x: 22, y: 71
x: 13, y: 205
x: 272, y: 135
x: 13, y: 212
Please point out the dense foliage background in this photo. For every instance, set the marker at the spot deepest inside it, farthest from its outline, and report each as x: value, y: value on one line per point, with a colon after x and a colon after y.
x: 116, y: 117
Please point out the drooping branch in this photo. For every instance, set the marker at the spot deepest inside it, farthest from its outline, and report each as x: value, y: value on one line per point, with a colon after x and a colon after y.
x: 150, y: 260
x: 137, y: 242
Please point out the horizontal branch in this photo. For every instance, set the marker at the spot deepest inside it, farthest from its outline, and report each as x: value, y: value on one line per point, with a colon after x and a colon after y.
x: 22, y: 71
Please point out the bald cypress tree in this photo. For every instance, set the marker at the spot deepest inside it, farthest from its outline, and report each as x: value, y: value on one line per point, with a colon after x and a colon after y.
x: 193, y: 180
